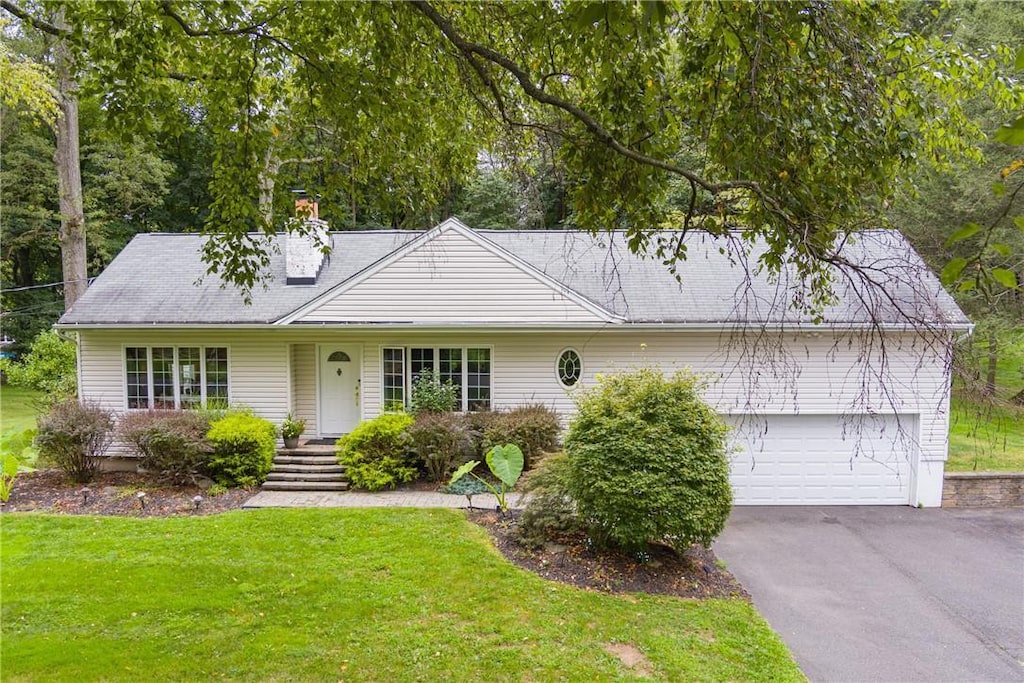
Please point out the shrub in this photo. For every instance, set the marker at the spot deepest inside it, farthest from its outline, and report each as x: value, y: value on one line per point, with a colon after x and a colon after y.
x: 431, y: 395
x: 243, y: 449
x: 74, y: 436
x: 477, y: 422
x: 534, y: 429
x: 439, y: 440
x: 171, y: 443
x: 376, y: 453
x: 49, y: 366
x: 647, y: 462
x: 550, y: 511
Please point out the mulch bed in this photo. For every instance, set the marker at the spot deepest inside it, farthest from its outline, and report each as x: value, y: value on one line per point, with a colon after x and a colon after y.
x: 115, y: 493
x: 572, y: 560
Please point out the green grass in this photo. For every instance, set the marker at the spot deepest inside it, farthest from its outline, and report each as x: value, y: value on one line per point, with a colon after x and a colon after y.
x: 985, y: 437
x: 307, y: 595
x: 17, y: 408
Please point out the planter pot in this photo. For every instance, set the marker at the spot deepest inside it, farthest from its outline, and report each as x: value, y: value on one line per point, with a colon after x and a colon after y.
x: 293, y: 442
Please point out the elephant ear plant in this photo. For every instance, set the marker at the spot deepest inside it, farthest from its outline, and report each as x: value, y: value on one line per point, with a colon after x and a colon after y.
x: 505, y: 463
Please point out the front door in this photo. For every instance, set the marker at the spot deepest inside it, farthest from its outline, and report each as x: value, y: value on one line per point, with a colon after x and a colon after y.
x: 339, y: 388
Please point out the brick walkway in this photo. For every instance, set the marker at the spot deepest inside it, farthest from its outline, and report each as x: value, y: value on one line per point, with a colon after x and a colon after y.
x: 383, y: 499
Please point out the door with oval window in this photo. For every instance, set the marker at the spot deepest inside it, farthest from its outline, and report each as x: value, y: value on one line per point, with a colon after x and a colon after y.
x: 339, y: 389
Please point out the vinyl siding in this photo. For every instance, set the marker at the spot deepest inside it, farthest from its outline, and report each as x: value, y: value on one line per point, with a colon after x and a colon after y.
x: 304, y: 385
x: 451, y: 278
x: 273, y: 371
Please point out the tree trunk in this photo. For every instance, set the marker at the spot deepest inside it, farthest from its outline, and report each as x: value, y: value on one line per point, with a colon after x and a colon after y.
x: 267, y: 182
x: 993, y: 360
x: 69, y: 178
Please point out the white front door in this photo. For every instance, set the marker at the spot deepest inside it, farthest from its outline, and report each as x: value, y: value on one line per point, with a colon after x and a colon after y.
x: 339, y: 388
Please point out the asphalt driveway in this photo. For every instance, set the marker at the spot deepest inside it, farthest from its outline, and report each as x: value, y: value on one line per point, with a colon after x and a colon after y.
x: 887, y: 593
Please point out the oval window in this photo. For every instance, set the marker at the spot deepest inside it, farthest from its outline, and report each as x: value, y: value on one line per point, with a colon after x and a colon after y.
x: 570, y: 368
x: 339, y: 356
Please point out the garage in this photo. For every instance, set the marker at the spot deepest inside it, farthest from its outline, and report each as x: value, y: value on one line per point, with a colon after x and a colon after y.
x: 823, y: 459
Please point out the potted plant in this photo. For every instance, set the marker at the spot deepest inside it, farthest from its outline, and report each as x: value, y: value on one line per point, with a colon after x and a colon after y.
x: 291, y: 430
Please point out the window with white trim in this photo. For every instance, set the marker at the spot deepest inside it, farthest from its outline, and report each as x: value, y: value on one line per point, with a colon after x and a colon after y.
x: 569, y: 367
x: 166, y: 377
x: 467, y: 368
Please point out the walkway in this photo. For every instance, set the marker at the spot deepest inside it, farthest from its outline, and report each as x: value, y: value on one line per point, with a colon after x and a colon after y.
x: 383, y: 499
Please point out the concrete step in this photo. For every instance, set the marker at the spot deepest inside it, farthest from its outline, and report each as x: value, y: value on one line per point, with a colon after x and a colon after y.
x: 308, y: 450
x: 305, y: 485
x: 281, y: 467
x: 305, y: 476
x: 305, y: 460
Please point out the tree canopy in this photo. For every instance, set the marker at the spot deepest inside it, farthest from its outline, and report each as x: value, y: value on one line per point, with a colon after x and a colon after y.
x: 793, y: 121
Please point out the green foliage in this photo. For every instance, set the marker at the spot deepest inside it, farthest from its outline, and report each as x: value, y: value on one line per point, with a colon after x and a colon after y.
x: 647, y: 462
x: 74, y: 436
x: 376, y: 453
x: 430, y: 395
x: 533, y: 428
x: 49, y: 366
x: 550, y: 511
x: 17, y: 454
x: 505, y: 463
x: 292, y: 428
x: 489, y: 202
x: 439, y: 440
x: 243, y: 449
x: 170, y: 443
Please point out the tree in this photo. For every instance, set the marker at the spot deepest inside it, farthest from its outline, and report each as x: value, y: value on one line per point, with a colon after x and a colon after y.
x: 801, y: 116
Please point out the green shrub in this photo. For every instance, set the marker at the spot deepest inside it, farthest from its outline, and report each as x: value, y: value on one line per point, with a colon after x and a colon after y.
x: 376, y: 454
x: 648, y: 462
x: 243, y: 449
x: 550, y: 511
x: 439, y: 440
x: 534, y: 429
x: 477, y: 422
x: 49, y: 366
x: 74, y: 436
x: 170, y: 443
x: 431, y: 395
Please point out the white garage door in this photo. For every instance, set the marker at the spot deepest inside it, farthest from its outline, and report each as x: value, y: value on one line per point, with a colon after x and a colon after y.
x: 823, y: 459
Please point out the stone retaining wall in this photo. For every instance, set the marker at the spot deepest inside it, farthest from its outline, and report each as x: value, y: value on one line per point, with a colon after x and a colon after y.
x: 983, y: 489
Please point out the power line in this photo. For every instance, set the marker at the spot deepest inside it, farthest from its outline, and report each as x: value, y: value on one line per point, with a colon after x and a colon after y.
x: 48, y: 284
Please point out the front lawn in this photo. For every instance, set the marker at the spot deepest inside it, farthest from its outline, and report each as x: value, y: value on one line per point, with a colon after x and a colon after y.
x: 18, y: 408
x: 383, y: 595
x: 985, y: 437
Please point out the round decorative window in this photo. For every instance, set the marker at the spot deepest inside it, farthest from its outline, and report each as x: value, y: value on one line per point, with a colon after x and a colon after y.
x: 570, y: 368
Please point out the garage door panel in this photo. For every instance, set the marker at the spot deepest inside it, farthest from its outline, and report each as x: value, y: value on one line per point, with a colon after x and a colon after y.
x: 823, y: 459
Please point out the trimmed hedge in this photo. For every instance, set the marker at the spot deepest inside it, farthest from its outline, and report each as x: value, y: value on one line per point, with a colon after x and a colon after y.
x: 243, y: 449
x: 170, y: 443
x: 376, y: 454
x: 534, y: 428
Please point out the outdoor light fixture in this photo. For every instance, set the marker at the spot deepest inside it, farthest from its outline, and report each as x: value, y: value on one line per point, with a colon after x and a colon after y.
x: 141, y: 496
x: 196, y: 500
x: 85, y: 494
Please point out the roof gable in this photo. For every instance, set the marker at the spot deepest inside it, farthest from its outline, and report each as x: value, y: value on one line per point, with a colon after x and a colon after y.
x: 451, y: 274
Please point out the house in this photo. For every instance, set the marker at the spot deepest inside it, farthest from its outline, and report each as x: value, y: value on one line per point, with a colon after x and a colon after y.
x: 852, y: 409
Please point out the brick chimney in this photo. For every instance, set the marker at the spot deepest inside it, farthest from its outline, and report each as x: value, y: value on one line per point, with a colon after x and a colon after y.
x: 305, y: 244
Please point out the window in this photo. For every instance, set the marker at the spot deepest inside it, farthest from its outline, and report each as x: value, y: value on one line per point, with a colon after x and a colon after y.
x: 394, y: 379
x: 570, y: 368
x: 165, y: 377
x: 468, y: 369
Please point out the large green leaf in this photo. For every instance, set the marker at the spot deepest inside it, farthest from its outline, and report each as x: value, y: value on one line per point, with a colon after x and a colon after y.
x: 506, y: 462
x: 965, y: 231
x: 1012, y: 133
x: 952, y: 270
x: 463, y: 471
x: 1007, y: 278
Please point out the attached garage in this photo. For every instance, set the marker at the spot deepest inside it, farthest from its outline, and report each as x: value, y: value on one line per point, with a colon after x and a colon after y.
x: 824, y: 459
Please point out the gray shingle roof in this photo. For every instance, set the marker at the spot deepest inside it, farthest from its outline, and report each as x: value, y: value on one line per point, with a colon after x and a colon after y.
x: 159, y: 279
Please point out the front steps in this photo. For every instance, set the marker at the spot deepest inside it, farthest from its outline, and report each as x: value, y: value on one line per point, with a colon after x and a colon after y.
x: 306, y: 468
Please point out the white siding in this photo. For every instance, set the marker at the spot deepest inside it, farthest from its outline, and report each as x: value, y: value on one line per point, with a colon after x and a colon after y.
x: 304, y: 385
x: 807, y: 374
x: 451, y: 278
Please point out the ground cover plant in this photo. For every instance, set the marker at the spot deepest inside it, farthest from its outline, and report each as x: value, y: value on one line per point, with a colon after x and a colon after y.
x: 336, y: 595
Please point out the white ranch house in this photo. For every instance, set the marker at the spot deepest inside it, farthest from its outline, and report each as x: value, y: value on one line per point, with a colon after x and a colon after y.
x: 852, y: 410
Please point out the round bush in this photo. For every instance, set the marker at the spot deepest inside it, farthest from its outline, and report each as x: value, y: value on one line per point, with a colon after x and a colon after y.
x: 376, y: 454
x: 74, y: 436
x: 648, y: 462
x: 243, y: 449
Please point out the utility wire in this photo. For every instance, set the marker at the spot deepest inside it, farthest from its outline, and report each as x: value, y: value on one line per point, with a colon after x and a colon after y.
x: 48, y: 284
